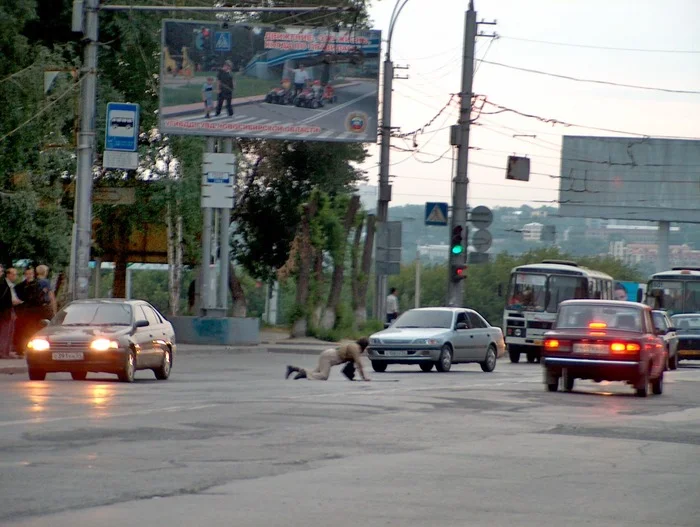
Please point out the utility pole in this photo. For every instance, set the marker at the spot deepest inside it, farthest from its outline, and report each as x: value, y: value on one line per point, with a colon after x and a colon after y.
x: 455, y: 283
x: 384, y: 196
x: 82, y: 210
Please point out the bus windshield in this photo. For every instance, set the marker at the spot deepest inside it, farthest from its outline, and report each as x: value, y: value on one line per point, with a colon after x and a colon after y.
x: 674, y: 296
x: 539, y: 292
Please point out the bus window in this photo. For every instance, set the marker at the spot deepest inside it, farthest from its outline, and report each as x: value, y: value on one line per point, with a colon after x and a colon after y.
x: 560, y: 288
x: 527, y: 291
x: 667, y: 295
x: 692, y: 297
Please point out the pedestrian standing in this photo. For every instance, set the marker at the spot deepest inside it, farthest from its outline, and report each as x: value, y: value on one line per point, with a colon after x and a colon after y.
x: 48, y: 298
x: 351, y: 352
x: 392, y: 306
x: 8, y: 301
x: 225, y: 88
x: 208, y: 96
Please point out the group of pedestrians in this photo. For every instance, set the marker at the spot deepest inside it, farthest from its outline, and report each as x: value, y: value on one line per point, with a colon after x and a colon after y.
x: 23, y: 306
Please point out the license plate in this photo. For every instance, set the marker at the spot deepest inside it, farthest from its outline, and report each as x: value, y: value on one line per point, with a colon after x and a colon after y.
x: 394, y: 353
x: 68, y: 356
x: 594, y: 349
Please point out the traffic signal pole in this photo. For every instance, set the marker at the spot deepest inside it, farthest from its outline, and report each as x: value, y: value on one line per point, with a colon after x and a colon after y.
x: 458, y: 259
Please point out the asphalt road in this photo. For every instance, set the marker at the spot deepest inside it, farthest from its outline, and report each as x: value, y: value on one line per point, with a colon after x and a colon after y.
x: 262, y: 118
x: 227, y: 442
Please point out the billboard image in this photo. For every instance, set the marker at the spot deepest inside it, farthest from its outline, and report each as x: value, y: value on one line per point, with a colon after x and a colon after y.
x: 266, y: 82
x: 630, y: 178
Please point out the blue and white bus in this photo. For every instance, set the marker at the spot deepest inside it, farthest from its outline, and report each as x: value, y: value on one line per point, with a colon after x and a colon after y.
x: 675, y: 291
x: 534, y: 294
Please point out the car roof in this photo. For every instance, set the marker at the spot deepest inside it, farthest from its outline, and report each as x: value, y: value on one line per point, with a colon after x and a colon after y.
x: 109, y: 301
x: 446, y: 308
x: 594, y: 302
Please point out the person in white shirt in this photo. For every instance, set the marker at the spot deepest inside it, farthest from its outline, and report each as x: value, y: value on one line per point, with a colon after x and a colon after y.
x: 392, y: 306
x: 300, y: 78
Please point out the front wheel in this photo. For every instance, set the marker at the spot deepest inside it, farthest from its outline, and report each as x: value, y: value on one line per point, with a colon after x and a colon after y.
x: 514, y: 354
x: 127, y: 372
x: 489, y: 363
x: 378, y: 366
x: 444, y: 363
x: 531, y: 357
x: 673, y: 362
x: 427, y: 366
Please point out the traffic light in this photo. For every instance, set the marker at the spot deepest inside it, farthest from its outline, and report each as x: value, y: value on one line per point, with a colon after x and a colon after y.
x: 457, y: 243
x: 458, y: 272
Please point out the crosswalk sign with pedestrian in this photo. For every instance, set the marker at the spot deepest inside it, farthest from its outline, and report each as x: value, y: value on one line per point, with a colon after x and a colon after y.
x: 436, y: 214
x: 222, y: 41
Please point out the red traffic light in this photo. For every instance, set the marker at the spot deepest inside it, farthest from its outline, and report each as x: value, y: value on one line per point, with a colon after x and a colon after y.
x: 459, y: 272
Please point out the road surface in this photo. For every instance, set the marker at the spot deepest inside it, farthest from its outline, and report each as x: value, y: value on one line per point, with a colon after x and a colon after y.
x: 274, y: 121
x: 228, y: 442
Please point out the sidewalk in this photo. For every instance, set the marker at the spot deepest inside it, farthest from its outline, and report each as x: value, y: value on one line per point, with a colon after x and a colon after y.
x: 187, y: 109
x: 271, y: 341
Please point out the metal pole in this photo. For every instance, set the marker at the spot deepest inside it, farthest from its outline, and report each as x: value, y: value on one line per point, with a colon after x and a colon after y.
x: 662, y: 254
x: 82, y: 213
x: 98, y: 273
x: 128, y: 282
x: 205, y: 288
x: 455, y: 289
x: 224, y: 245
x: 417, y: 295
x: 384, y: 187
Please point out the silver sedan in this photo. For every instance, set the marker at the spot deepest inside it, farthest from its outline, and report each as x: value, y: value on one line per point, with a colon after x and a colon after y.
x: 437, y: 336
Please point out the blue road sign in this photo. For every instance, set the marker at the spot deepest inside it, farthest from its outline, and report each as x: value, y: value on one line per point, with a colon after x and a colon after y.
x: 122, y: 130
x: 436, y: 213
x: 222, y: 40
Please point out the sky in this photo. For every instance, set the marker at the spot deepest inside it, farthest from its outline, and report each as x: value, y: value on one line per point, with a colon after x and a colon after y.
x: 429, y: 40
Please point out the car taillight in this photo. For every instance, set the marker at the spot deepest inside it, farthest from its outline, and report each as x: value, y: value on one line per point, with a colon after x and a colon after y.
x: 557, y: 345
x: 625, y: 348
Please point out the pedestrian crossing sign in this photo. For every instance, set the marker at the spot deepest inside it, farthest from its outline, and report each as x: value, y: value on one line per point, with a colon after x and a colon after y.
x: 222, y: 41
x: 436, y: 214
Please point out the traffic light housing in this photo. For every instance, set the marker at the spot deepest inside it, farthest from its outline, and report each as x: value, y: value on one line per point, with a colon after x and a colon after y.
x: 457, y: 242
x: 458, y: 272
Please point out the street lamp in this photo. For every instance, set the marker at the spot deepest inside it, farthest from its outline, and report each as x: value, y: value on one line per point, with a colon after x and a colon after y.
x: 385, y: 133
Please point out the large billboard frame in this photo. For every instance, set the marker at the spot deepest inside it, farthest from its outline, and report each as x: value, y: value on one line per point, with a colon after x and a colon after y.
x: 337, y: 103
x: 630, y: 178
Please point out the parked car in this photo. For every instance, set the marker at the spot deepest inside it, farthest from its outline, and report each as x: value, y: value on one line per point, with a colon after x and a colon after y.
x: 604, y: 340
x: 663, y: 323
x: 688, y: 330
x: 112, y: 335
x: 437, y: 336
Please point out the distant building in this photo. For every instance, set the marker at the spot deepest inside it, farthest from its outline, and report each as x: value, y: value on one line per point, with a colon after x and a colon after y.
x: 532, y: 231
x: 646, y: 253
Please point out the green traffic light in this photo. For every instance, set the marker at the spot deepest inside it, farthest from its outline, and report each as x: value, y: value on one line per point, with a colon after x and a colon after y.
x: 457, y: 249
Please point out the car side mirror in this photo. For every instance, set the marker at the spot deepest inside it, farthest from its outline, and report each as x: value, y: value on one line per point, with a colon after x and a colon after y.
x: 142, y: 323
x: 461, y: 325
x: 658, y: 331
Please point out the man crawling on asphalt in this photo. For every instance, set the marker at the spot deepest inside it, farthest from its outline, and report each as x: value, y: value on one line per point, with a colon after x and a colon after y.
x: 347, y: 353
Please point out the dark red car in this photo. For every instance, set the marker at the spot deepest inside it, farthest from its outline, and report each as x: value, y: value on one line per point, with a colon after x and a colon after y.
x: 604, y: 340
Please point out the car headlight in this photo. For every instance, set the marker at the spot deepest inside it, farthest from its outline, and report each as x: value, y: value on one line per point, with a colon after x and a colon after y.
x: 375, y: 341
x: 426, y: 341
x: 103, y: 344
x: 38, y: 344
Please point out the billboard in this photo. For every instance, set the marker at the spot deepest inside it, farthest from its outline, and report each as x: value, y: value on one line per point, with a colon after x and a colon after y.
x: 630, y: 178
x: 244, y: 80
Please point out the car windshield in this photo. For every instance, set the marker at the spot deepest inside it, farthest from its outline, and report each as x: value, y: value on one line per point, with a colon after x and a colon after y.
x: 599, y: 317
x: 424, y: 319
x: 687, y: 323
x: 93, y: 315
x: 527, y: 292
x: 674, y: 296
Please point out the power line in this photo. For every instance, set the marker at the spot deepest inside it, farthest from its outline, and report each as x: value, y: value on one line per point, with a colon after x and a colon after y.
x: 592, y: 81
x: 589, y: 46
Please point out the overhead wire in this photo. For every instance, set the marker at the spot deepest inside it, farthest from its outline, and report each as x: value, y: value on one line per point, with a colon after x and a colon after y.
x: 606, y: 48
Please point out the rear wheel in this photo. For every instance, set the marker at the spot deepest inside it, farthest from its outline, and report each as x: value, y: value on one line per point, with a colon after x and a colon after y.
x: 378, y: 366
x: 673, y: 362
x: 78, y: 375
x: 489, y: 363
x: 444, y: 363
x: 657, y: 385
x: 36, y: 374
x: 531, y: 357
x: 569, y: 383
x: 642, y: 387
x: 163, y: 372
x: 552, y: 386
x: 427, y: 366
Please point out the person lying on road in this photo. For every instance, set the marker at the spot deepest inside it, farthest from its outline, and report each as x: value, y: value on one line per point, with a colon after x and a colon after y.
x: 351, y: 352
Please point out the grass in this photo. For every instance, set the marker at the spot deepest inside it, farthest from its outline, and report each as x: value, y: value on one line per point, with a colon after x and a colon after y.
x: 192, y: 93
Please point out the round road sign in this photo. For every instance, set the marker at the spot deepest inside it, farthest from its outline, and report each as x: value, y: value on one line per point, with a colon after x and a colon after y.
x: 481, y: 217
x: 481, y: 241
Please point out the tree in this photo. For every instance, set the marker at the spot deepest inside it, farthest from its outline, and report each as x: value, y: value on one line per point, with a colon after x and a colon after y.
x: 360, y: 267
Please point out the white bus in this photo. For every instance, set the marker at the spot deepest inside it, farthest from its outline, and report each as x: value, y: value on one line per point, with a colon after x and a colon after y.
x: 534, y: 294
x: 676, y: 291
